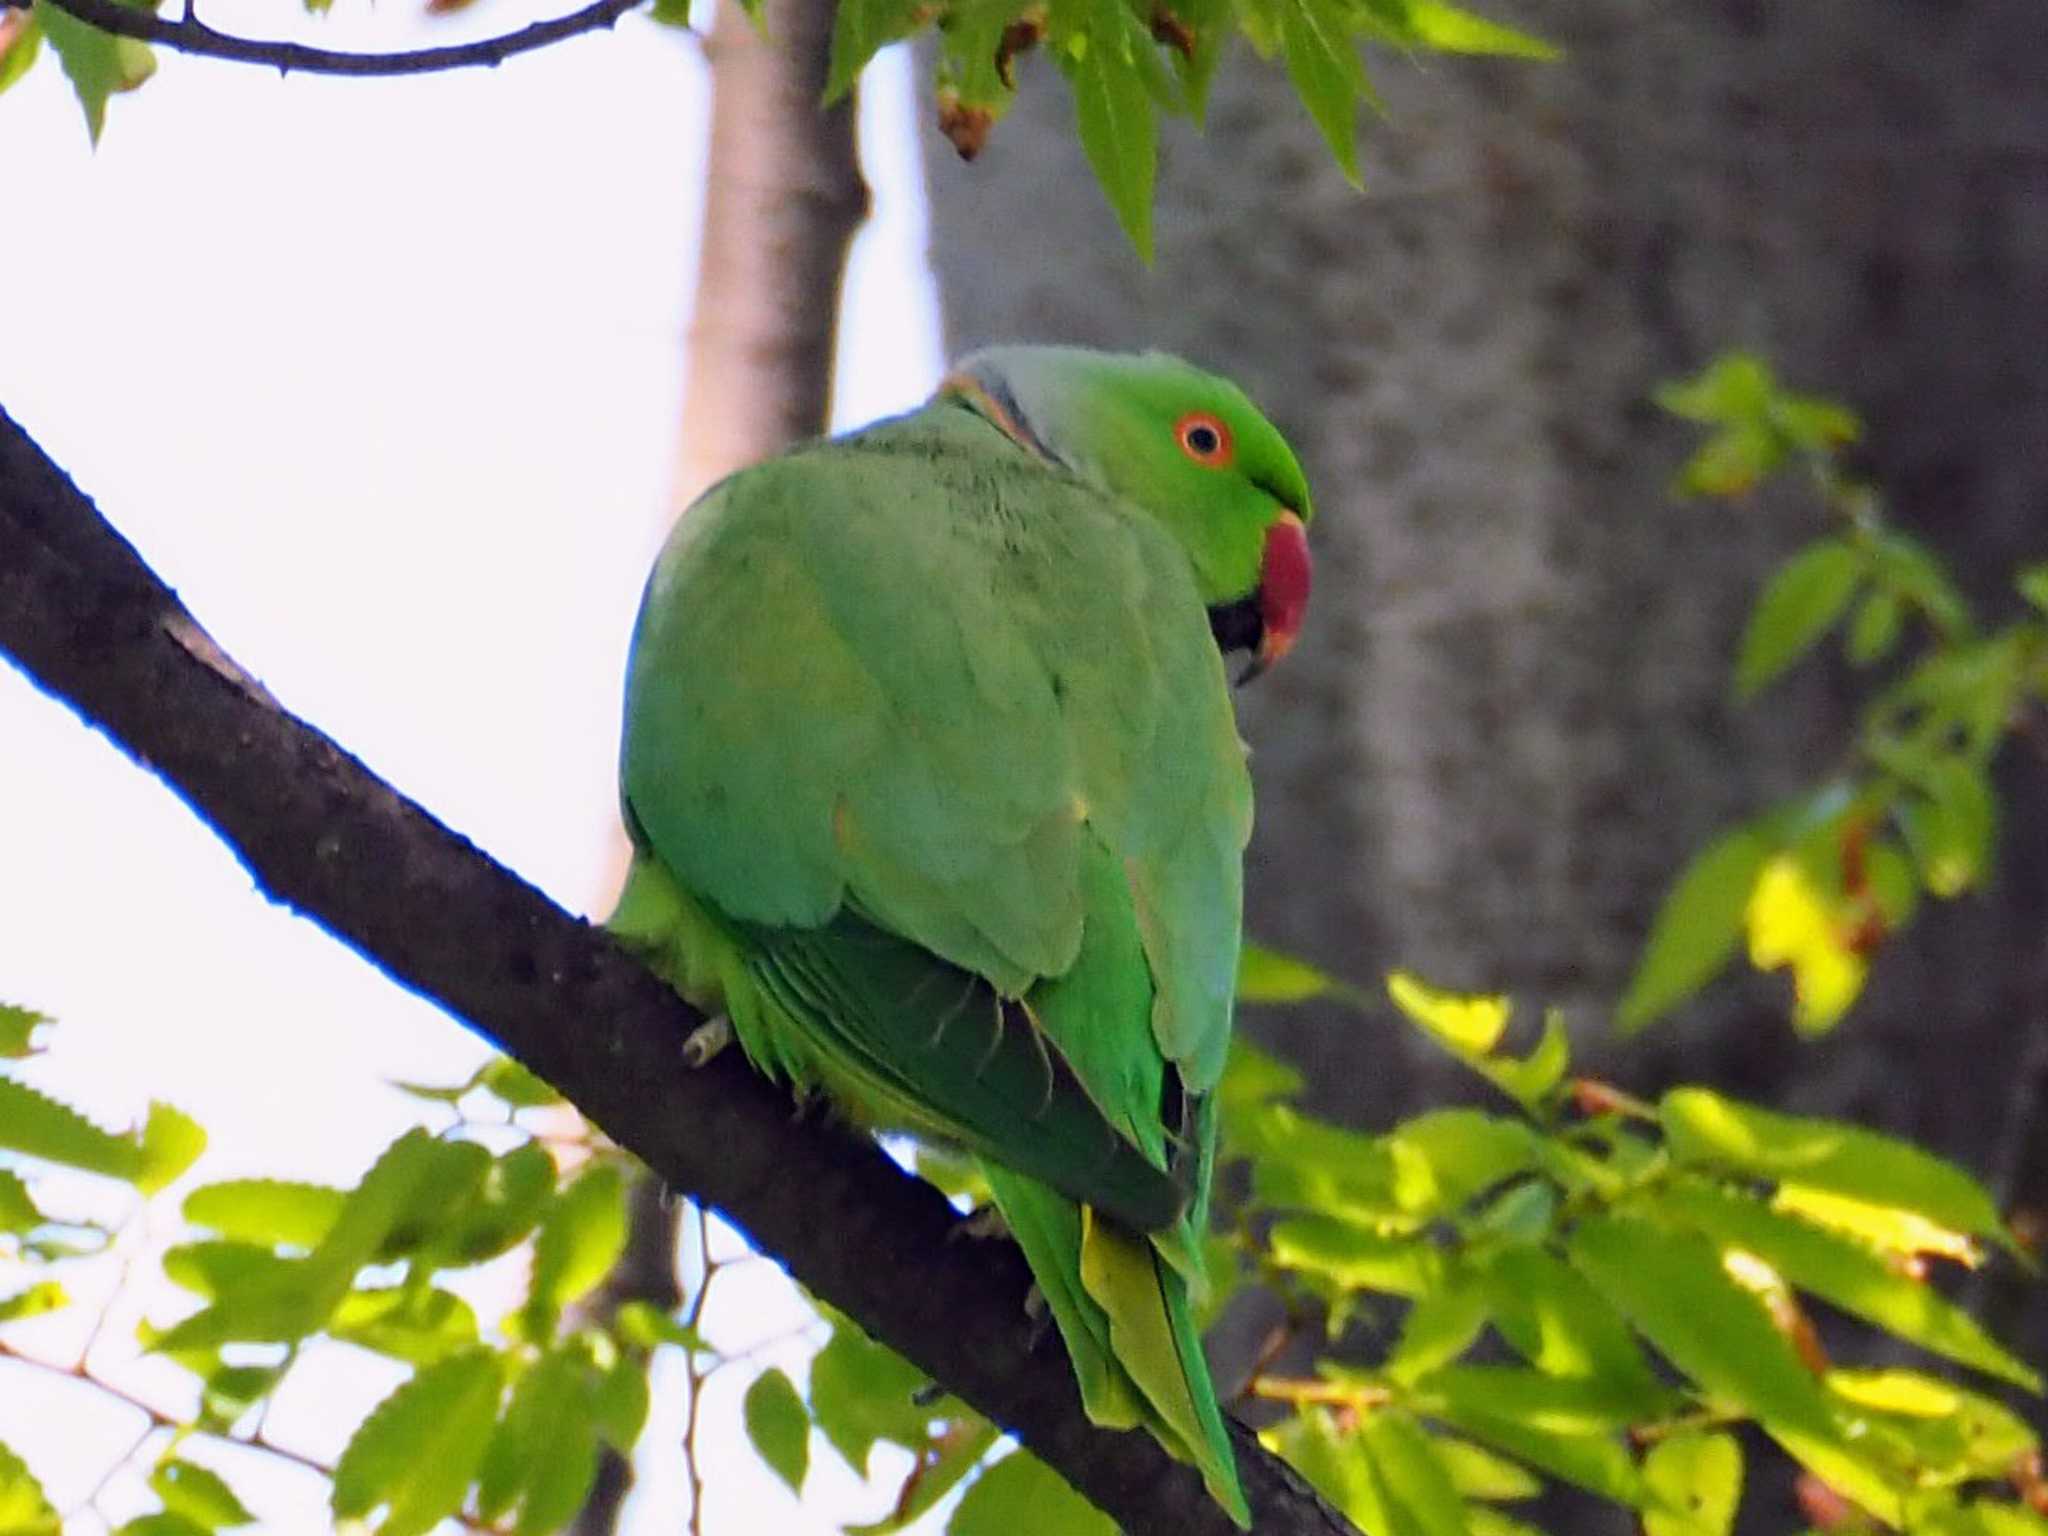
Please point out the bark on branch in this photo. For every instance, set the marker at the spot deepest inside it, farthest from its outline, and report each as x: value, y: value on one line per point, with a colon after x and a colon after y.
x: 91, y: 624
x: 188, y: 34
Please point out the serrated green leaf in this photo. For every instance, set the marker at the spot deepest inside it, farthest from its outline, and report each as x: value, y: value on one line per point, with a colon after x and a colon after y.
x: 267, y: 1211
x: 414, y: 1456
x: 1703, y: 1128
x: 417, y: 1324
x: 1322, y: 61
x: 1269, y: 976
x: 1673, y: 1288
x: 957, y: 1450
x: 199, y: 1494
x: 580, y: 1238
x: 862, y: 1392
x: 1450, y: 30
x: 34, y: 1301
x: 1800, y: 604
x: 1697, y: 1480
x: 1021, y: 1493
x: 542, y: 1458
x: 1114, y: 112
x: 779, y: 1426
x: 23, y: 1509
x: 1696, y: 928
x: 36, y: 1125
x: 17, y: 1025
x: 1845, y: 1274
x: 1415, y: 1487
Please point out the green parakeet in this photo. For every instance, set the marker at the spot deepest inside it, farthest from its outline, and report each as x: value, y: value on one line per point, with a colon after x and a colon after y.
x: 936, y: 791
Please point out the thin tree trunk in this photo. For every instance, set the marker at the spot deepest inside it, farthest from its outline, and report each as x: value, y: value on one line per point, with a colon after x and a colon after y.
x: 784, y: 196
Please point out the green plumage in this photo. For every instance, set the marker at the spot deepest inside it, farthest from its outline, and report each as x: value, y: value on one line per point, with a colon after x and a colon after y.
x: 935, y: 788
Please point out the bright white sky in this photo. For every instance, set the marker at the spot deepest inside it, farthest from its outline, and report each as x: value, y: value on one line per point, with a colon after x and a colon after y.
x: 383, y: 377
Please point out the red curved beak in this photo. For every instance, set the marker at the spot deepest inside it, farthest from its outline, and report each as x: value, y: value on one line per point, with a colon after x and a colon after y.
x: 1285, y: 572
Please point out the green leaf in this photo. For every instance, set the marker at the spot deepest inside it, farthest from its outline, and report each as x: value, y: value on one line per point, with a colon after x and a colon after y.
x: 501, y: 1211
x: 1703, y: 1128
x: 1478, y: 1473
x: 1439, y: 1327
x: 90, y: 62
x: 417, y: 1324
x: 860, y: 30
x: 1268, y: 976
x: 1114, y: 111
x: 18, y: 1213
x: 1846, y: 1274
x: 780, y: 1427
x: 1540, y: 1420
x: 414, y: 1456
x: 1415, y: 1487
x: 1352, y: 1258
x: 1021, y: 1493
x: 1554, y: 1319
x: 1734, y: 388
x: 38, y: 1126
x: 1799, y: 605
x: 171, y: 1141
x: 34, y: 1301
x: 17, y: 1025
x: 1453, y: 1155
x: 618, y: 1403
x: 1450, y: 30
x: 266, y: 1211
x: 1334, y: 1462
x: 1303, y: 1163
x: 513, y: 1083
x: 1531, y: 1080
x: 217, y: 1268
x: 1323, y: 63
x: 1875, y: 627
x: 1698, y: 1480
x: 21, y: 39
x: 1673, y: 1288
x: 862, y: 1392
x: 1905, y: 566
x: 581, y: 1237
x: 1951, y: 830
x: 23, y: 1509
x: 2033, y: 585
x: 1468, y: 1024
x: 543, y: 1456
x: 1697, y: 927
x: 199, y: 1494
x: 645, y: 1325
x: 161, y: 1522
x: 957, y: 1450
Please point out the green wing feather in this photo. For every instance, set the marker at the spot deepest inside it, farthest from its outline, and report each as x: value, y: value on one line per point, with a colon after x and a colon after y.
x: 936, y: 788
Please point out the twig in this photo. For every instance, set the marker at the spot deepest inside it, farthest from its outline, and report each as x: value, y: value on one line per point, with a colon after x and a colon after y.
x: 188, y: 34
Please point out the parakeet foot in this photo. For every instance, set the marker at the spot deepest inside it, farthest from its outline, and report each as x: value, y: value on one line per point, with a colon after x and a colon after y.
x: 1037, y: 1317
x: 707, y: 1040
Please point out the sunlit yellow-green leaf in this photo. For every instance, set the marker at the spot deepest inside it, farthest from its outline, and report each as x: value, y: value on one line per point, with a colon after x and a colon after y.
x: 171, y: 1141
x: 1697, y: 1480
x: 1884, y: 1227
x: 265, y: 1210
x: 1478, y: 1473
x: 1354, y: 1259
x: 24, y: 1511
x: 1457, y: 31
x: 1791, y: 925
x: 1558, y: 1426
x: 580, y: 1238
x: 32, y: 1301
x: 1469, y: 1023
x: 1269, y: 976
x: 1706, y: 1128
x: 1333, y: 1461
x: 18, y: 1211
x: 1799, y: 605
x: 1895, y: 1391
x: 1415, y: 1486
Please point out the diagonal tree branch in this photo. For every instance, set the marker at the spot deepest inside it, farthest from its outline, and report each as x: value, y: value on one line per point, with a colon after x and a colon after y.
x: 90, y: 623
x: 188, y: 34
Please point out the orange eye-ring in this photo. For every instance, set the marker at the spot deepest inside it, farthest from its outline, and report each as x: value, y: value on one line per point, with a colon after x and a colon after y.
x: 1205, y: 438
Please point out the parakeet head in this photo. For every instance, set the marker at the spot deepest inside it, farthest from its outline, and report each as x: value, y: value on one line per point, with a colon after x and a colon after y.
x: 1185, y: 446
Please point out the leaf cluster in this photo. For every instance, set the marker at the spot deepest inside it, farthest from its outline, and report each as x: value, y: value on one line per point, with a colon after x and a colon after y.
x: 1818, y: 883
x: 1597, y: 1290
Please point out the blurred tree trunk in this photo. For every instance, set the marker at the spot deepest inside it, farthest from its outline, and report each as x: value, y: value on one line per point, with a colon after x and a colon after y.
x: 1509, y: 722
x: 783, y: 199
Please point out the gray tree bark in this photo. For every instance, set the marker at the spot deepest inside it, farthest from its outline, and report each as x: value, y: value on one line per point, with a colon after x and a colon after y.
x: 1508, y: 722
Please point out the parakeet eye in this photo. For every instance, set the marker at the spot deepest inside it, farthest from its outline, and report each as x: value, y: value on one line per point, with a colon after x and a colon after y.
x: 1204, y: 438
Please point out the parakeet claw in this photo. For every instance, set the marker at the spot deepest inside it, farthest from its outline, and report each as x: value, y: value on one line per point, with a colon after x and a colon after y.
x: 986, y: 1222
x: 707, y: 1040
